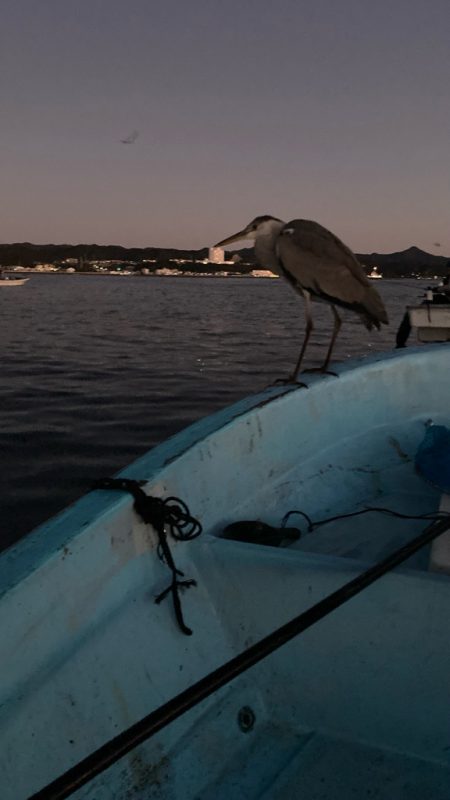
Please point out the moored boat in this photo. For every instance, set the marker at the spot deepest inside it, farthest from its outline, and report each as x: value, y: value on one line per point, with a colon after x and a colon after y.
x: 5, y: 281
x: 431, y: 320
x: 357, y: 705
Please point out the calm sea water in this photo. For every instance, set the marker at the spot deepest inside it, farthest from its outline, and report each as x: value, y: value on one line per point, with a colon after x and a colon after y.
x: 96, y: 370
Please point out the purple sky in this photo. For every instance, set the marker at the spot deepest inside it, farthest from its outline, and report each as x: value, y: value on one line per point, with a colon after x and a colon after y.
x: 326, y: 110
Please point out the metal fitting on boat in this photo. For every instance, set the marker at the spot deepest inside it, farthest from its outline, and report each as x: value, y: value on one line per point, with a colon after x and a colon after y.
x: 246, y: 719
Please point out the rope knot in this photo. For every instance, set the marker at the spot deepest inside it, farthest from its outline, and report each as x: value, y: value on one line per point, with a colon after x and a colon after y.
x: 171, y: 513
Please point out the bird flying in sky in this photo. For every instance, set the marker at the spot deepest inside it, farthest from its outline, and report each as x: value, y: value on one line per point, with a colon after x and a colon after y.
x: 131, y: 138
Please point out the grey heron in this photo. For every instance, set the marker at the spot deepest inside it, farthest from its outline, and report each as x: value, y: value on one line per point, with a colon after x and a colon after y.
x: 319, y: 267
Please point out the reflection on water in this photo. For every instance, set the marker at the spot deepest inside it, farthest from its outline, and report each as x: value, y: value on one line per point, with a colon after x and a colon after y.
x: 97, y: 370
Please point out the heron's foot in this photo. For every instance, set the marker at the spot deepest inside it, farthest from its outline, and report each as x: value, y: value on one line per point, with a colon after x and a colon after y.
x: 289, y: 379
x: 322, y: 370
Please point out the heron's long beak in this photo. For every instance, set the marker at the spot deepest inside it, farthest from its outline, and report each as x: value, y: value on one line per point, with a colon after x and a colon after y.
x: 235, y: 238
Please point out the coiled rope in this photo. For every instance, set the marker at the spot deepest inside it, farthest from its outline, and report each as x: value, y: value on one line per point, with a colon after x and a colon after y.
x: 171, y: 514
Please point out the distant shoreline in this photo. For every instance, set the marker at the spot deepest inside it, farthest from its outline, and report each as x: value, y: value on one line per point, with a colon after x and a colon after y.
x: 31, y: 271
x: 41, y: 273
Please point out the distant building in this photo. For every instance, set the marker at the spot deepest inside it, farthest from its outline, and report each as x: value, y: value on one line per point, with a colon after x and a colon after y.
x: 45, y: 268
x: 216, y: 255
x: 167, y: 271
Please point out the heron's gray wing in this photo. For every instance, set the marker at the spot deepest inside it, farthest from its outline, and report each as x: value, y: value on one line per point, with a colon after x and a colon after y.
x: 319, y: 262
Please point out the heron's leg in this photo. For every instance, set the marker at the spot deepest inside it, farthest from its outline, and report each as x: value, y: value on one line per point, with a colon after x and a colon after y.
x: 336, y: 329
x: 308, y: 329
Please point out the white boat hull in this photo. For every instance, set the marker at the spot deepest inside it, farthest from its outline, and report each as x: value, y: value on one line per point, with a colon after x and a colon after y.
x: 13, y: 282
x: 432, y: 322
x: 359, y: 705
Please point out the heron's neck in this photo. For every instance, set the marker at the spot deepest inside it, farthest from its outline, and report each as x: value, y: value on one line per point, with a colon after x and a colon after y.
x: 265, y: 249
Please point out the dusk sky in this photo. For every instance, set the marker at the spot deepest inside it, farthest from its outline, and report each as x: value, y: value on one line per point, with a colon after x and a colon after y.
x: 319, y: 109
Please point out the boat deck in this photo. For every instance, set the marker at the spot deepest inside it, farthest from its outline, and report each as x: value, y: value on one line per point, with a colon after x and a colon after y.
x: 280, y: 765
x: 278, y: 759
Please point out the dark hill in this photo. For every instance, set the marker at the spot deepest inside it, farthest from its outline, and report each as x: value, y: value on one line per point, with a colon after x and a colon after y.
x: 27, y: 254
x: 412, y: 261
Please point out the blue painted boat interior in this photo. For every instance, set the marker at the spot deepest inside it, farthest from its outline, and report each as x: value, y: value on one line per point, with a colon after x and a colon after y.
x: 357, y: 706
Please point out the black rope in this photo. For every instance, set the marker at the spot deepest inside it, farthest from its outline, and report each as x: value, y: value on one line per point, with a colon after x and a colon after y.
x: 106, y: 755
x: 171, y: 513
x: 429, y: 517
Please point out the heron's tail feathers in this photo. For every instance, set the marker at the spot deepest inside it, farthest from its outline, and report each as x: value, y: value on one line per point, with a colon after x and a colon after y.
x: 374, y: 311
x: 370, y: 323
